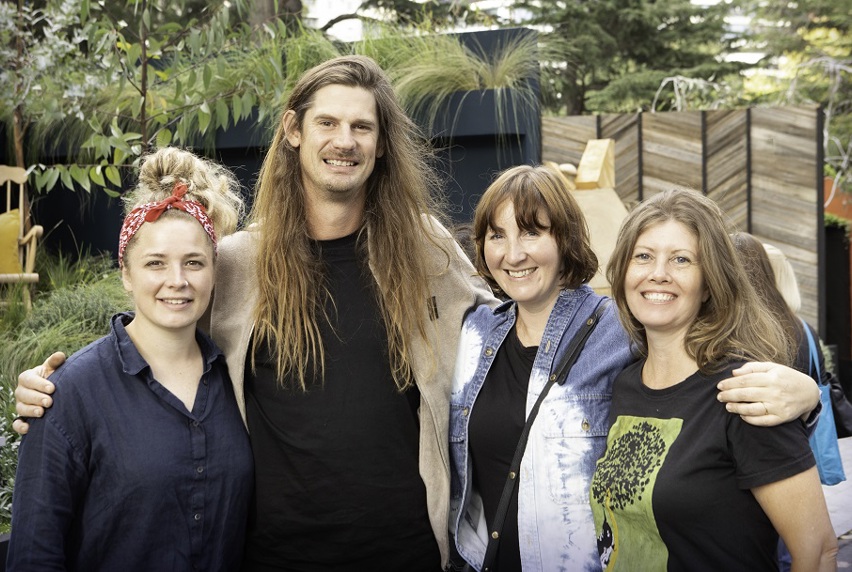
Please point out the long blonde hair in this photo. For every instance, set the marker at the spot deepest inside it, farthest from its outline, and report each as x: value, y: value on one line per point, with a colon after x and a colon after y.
x: 399, y: 192
x: 733, y: 324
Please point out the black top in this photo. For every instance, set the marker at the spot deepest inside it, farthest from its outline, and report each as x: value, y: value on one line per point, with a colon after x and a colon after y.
x: 672, y: 490
x: 337, y: 471
x: 496, y: 423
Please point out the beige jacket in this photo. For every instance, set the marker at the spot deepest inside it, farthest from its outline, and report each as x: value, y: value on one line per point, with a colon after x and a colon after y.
x: 456, y: 290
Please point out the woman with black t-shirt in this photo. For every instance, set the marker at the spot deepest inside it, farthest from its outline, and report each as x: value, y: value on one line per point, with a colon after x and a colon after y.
x: 683, y: 484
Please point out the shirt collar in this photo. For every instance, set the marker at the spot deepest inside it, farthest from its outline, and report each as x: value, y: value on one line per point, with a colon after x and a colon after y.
x: 132, y: 361
x: 563, y: 294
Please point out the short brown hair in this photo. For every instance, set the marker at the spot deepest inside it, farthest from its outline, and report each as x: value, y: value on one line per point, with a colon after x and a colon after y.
x: 536, y: 190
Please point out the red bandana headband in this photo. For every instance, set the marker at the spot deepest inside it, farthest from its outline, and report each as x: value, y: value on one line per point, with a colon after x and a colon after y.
x: 150, y: 212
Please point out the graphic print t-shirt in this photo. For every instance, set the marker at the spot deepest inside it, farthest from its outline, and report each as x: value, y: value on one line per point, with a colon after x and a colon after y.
x: 672, y: 490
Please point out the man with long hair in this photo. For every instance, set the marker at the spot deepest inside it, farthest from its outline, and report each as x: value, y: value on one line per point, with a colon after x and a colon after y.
x: 336, y: 310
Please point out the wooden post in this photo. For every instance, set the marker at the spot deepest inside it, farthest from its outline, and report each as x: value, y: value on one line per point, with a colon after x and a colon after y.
x: 597, y: 165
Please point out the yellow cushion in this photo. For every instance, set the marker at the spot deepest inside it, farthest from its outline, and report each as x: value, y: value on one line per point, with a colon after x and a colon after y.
x: 9, y: 227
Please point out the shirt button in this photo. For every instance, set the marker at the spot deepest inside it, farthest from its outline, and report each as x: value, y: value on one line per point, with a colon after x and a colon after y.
x: 465, y: 411
x: 195, y: 424
x: 204, y: 381
x: 488, y: 351
x: 197, y: 516
x: 199, y: 470
x: 586, y: 425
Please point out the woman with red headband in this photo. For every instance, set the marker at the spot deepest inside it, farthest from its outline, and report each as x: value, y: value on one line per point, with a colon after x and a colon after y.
x: 144, y: 462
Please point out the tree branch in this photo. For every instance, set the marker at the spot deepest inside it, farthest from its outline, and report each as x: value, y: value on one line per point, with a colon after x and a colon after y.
x: 338, y: 19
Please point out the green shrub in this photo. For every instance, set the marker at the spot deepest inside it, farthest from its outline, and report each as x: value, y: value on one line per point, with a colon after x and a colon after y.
x: 8, y: 457
x: 58, y: 270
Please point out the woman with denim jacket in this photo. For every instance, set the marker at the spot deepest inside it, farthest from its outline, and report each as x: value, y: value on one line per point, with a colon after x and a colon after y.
x: 532, y: 245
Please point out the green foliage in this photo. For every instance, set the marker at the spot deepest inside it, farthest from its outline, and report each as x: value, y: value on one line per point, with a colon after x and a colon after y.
x: 60, y: 270
x: 135, y: 75
x: 409, y: 15
x: 72, y: 311
x: 305, y: 49
x: 834, y: 221
x: 13, y: 310
x: 9, y: 441
x: 144, y: 73
x: 433, y: 12
x: 589, y: 45
x: 426, y: 70
x: 808, y: 45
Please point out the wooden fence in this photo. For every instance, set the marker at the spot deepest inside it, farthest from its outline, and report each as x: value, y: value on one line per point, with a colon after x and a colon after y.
x: 763, y: 166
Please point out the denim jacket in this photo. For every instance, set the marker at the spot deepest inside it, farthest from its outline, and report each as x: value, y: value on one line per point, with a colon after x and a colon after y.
x: 555, y: 522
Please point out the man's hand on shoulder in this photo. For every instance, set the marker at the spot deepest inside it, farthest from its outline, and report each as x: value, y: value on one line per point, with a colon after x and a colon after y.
x: 32, y: 396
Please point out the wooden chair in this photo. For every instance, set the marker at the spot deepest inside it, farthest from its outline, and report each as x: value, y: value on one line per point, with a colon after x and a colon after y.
x: 17, y: 248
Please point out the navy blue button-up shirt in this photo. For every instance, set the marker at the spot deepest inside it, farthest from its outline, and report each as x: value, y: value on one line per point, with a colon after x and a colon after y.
x: 118, y: 475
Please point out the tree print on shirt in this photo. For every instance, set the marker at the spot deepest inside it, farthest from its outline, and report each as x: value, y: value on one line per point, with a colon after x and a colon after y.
x: 622, y: 492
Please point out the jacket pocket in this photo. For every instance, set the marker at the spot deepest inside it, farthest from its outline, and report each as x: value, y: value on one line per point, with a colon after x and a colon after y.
x: 574, y: 438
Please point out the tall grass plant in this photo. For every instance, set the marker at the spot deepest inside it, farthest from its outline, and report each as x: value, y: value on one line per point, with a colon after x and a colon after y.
x: 427, y: 70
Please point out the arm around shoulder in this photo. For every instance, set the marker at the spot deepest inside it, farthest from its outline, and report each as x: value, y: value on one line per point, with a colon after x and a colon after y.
x: 33, y: 393
x: 768, y: 394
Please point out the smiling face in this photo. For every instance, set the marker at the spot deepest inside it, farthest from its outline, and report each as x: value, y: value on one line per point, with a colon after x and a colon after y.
x: 525, y: 263
x: 168, y: 271
x: 664, y: 285
x: 338, y: 141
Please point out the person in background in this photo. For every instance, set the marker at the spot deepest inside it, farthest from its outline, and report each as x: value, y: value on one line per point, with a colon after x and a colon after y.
x: 532, y: 245
x: 755, y: 259
x: 143, y: 463
x: 785, y: 277
x: 683, y: 485
x: 767, y: 279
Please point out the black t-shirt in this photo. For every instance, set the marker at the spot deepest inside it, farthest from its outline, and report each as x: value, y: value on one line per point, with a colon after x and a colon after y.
x: 496, y: 422
x: 672, y: 490
x: 337, y: 471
